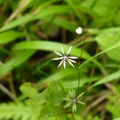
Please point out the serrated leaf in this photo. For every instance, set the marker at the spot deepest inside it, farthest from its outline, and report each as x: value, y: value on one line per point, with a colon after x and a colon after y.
x: 40, y: 98
x: 36, y: 98
x: 56, y: 92
x: 49, y: 112
x: 28, y: 90
x: 19, y: 110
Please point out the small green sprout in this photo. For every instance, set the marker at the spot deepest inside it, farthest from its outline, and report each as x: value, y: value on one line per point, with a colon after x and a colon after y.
x: 72, y: 100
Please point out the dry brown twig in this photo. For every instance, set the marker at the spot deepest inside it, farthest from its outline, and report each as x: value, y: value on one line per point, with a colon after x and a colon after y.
x: 22, y: 4
x: 96, y: 102
x: 6, y: 91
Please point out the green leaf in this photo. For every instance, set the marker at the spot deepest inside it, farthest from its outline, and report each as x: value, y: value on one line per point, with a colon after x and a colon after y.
x: 48, y: 46
x: 74, y: 82
x: 109, y: 31
x: 113, y: 107
x: 104, y: 51
x: 107, y: 40
x: 40, y: 3
x: 1, y: 1
x: 43, y: 45
x: 102, y: 7
x: 59, y: 75
x: 43, y: 13
x: 117, y: 118
x: 56, y: 92
x: 53, y: 10
x: 108, y: 78
x: 42, y: 97
x: 19, y: 110
x: 15, y: 61
x: 116, y: 20
x: 9, y: 36
x: 35, y: 97
x: 49, y: 112
x: 28, y: 90
x: 86, y: 10
x: 73, y: 6
x: 16, y: 23
x: 68, y: 25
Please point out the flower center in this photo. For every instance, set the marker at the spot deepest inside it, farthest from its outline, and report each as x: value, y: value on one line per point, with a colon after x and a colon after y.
x: 65, y: 57
x: 74, y: 101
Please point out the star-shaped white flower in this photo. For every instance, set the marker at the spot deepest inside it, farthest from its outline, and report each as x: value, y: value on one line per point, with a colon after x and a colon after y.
x: 63, y: 57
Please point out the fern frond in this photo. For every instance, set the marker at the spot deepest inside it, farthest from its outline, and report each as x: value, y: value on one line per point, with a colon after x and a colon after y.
x: 19, y: 111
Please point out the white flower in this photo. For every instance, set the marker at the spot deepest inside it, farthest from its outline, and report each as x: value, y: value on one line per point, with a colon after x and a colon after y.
x: 79, y: 30
x: 65, y: 58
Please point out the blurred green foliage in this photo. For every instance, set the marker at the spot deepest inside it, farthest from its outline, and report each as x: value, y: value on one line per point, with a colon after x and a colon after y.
x: 32, y: 87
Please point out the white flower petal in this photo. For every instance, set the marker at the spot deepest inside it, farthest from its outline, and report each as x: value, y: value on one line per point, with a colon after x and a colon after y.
x: 62, y: 49
x: 60, y: 63
x: 73, y: 57
x: 71, y: 60
x: 70, y: 63
x: 64, y: 64
x: 79, y: 30
x: 58, y: 53
x: 69, y: 50
x: 60, y: 58
x: 64, y: 57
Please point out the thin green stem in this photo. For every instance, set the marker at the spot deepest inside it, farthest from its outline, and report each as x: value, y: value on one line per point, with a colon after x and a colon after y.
x: 78, y: 80
x: 73, y: 116
x: 78, y: 66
